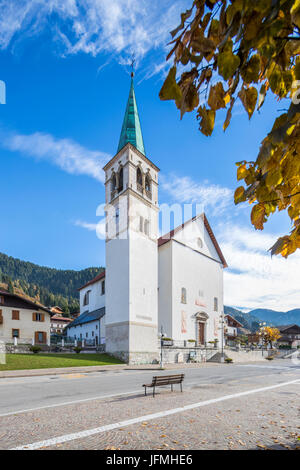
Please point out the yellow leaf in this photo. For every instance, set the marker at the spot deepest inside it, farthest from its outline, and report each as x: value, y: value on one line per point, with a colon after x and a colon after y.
x: 170, y: 89
x: 248, y: 97
x: 207, y: 120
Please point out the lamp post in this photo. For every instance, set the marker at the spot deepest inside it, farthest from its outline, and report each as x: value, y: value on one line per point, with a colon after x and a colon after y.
x: 161, y: 347
x: 262, y: 324
x: 222, y: 321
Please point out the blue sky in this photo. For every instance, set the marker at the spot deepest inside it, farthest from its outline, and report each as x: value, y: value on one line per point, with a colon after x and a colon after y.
x: 64, y: 65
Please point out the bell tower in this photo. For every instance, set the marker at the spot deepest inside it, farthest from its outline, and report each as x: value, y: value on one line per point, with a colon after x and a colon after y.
x: 131, y: 192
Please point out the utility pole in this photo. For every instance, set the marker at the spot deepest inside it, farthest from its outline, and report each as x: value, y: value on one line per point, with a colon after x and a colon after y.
x: 161, y: 346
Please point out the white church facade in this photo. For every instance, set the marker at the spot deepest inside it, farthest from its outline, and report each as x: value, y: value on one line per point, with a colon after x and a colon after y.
x: 172, y: 283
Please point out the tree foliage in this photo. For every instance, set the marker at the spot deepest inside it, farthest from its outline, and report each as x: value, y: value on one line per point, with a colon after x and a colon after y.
x: 51, y: 287
x: 269, y: 334
x: 226, y: 51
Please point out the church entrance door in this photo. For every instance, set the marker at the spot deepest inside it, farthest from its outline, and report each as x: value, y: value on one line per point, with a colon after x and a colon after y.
x: 201, y: 332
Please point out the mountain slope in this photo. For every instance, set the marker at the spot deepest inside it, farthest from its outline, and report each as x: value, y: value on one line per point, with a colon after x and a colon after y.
x: 277, y: 317
x: 48, y: 285
x: 248, y: 320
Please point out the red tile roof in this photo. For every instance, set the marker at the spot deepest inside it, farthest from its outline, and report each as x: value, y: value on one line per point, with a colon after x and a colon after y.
x: 60, y: 318
x: 168, y: 236
x: 92, y: 281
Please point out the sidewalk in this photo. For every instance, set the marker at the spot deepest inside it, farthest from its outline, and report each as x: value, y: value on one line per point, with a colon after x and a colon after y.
x: 115, y: 367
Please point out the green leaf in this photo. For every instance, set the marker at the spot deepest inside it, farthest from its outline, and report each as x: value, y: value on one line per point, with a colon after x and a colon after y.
x: 227, y: 62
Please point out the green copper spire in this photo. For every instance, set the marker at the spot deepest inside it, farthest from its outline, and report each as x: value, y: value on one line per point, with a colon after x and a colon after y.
x: 131, y: 129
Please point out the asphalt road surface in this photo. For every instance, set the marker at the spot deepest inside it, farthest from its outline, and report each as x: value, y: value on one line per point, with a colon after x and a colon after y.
x: 92, y: 405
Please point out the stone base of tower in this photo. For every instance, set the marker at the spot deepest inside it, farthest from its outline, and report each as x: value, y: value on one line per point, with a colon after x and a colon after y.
x: 132, y: 342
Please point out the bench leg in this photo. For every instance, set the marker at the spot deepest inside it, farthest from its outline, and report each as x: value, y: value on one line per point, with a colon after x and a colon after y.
x: 181, y: 386
x: 153, y: 392
x: 145, y: 391
x: 172, y: 387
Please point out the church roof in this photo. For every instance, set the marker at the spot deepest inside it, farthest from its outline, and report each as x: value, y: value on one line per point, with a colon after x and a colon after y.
x: 87, y: 317
x: 95, y: 279
x: 131, y: 129
x: 168, y: 236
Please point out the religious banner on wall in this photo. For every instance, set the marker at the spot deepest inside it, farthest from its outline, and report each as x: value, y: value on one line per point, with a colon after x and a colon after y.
x: 183, y: 322
x: 199, y: 303
x: 216, y: 326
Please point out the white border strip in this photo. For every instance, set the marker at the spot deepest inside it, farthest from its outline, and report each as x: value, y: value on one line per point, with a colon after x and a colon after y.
x: 160, y: 414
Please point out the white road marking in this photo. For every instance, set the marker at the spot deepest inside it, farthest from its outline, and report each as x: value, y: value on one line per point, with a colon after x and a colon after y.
x: 90, y: 432
x: 266, y: 367
x: 69, y: 403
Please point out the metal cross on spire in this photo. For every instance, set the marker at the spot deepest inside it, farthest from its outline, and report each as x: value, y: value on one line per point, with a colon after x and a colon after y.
x: 132, y: 65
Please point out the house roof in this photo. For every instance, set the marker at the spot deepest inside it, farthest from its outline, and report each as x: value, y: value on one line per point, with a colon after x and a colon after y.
x: 131, y: 129
x: 87, y: 317
x: 287, y: 327
x: 168, y: 236
x: 96, y: 279
x: 34, y: 305
x: 237, y: 323
x: 61, y: 318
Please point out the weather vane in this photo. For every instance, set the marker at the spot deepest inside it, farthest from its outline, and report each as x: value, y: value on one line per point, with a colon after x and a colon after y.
x: 132, y: 65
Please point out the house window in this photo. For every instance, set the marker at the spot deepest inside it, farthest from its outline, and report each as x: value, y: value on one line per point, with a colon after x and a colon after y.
x: 87, y: 334
x: 15, y: 333
x: 102, y: 287
x: 86, y: 299
x: 40, y: 337
x: 215, y: 304
x: 113, y: 184
x: 38, y: 317
x: 183, y: 295
x: 1, y: 299
x: 92, y: 333
x: 15, y: 315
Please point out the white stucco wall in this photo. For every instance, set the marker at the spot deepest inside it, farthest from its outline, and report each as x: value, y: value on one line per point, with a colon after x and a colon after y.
x: 26, y: 326
x: 96, y: 299
x: 88, y: 331
x: 200, y: 272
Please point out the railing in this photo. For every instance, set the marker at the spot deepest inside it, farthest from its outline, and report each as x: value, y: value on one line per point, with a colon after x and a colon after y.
x: 148, y: 194
x: 139, y: 188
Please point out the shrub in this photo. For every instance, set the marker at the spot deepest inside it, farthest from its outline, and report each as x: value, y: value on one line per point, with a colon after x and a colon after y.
x: 270, y: 358
x: 228, y: 360
x: 35, y: 349
x: 77, y: 349
x: 191, y: 340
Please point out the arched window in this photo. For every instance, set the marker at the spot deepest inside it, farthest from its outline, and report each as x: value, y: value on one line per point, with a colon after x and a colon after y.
x: 86, y: 299
x: 148, y: 183
x: 120, y: 188
x: 183, y: 295
x: 139, y: 180
x: 113, y: 184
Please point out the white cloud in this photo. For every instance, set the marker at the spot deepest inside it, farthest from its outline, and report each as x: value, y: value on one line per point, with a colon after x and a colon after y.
x: 87, y: 225
x: 64, y: 153
x: 254, y: 279
x: 186, y: 190
x: 93, y: 26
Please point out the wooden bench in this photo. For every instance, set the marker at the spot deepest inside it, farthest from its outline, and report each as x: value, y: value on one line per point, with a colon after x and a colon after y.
x: 159, y: 381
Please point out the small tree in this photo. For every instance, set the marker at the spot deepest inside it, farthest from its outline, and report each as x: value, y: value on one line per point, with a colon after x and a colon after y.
x: 269, y: 335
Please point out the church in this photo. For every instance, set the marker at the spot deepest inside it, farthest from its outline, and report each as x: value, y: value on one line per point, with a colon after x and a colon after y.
x: 170, y: 284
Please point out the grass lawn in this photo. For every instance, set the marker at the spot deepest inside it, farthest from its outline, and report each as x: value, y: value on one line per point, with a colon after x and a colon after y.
x: 44, y: 361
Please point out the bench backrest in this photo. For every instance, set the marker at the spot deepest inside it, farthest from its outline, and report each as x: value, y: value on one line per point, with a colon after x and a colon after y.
x: 167, y: 379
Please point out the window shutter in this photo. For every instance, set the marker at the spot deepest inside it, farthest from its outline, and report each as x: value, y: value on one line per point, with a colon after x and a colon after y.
x: 34, y: 317
x: 36, y: 337
x: 43, y: 317
x: 45, y: 338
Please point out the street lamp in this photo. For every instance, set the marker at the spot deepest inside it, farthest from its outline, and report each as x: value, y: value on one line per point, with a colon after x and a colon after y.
x: 222, y: 321
x: 262, y: 324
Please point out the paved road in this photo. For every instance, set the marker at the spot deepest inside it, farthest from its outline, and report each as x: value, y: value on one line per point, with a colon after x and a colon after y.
x: 29, y: 393
x: 238, y: 406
